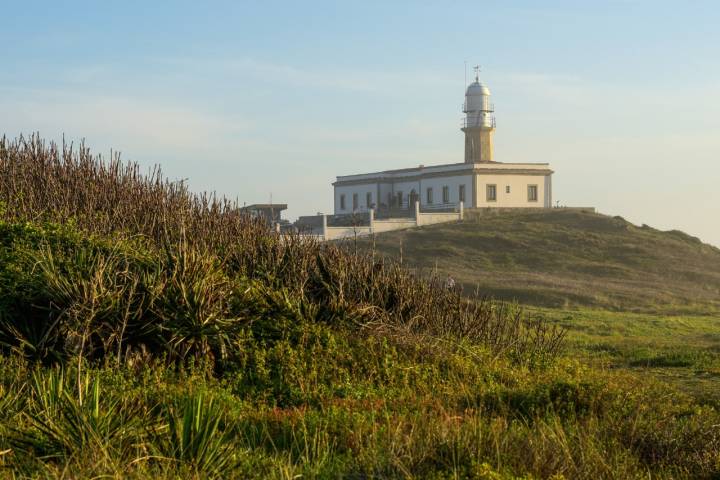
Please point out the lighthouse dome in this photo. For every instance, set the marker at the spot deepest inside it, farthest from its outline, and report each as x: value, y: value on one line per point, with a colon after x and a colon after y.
x: 477, y: 98
x: 477, y: 88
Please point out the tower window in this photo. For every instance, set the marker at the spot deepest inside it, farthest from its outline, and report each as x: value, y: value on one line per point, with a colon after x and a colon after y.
x: 507, y: 189
x: 532, y: 193
x: 491, y: 193
x: 342, y: 202
x: 429, y: 196
x: 355, y: 201
x: 461, y: 193
x: 368, y: 200
x: 446, y: 194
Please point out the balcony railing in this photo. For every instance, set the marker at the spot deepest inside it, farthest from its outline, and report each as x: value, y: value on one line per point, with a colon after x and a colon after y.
x: 440, y: 207
x: 476, y: 122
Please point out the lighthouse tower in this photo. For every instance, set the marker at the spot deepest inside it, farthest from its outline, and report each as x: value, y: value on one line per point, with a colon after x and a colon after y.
x: 479, y: 182
x: 479, y: 123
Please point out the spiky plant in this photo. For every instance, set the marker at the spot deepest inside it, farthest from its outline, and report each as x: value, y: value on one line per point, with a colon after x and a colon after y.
x: 191, y: 299
x: 196, y: 437
x: 212, y: 241
x: 95, y: 294
x: 70, y: 424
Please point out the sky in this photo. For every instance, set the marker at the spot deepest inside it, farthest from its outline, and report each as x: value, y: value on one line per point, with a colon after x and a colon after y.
x: 261, y: 100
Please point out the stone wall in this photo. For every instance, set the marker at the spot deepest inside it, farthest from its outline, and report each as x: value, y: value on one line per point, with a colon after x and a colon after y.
x: 337, y: 233
x: 389, y: 225
x: 329, y: 228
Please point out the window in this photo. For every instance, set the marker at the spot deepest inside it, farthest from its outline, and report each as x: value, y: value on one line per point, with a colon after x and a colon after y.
x: 342, y: 202
x: 446, y: 194
x: 399, y: 199
x: 507, y: 188
x: 491, y: 193
x: 532, y: 193
x: 355, y: 201
x: 461, y: 193
x: 429, y: 196
x: 368, y: 200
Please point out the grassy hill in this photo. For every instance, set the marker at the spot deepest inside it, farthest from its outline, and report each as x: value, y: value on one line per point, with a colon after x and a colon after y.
x: 147, y: 332
x: 566, y: 258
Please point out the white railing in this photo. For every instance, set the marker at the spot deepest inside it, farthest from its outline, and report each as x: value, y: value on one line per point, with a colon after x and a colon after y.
x: 439, y: 213
x: 434, y: 207
x: 476, y: 122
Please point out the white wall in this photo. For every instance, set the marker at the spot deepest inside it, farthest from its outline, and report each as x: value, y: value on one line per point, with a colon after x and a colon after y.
x: 361, y: 191
x: 384, y: 189
x: 436, y: 183
x: 406, y: 188
x: 453, y: 183
x: 548, y: 191
x: 518, y: 196
x: 380, y: 226
x: 437, y: 217
x: 335, y: 233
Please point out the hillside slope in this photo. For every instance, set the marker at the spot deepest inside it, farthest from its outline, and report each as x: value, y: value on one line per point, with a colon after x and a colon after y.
x: 148, y: 332
x: 564, y: 258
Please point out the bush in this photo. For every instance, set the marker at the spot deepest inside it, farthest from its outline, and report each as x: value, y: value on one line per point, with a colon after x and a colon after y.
x: 180, y: 288
x: 201, y: 344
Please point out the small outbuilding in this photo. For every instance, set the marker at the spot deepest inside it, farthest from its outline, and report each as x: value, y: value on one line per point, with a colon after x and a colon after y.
x: 271, y: 212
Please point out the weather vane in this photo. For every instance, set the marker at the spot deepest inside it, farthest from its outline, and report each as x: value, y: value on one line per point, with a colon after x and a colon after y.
x: 477, y: 72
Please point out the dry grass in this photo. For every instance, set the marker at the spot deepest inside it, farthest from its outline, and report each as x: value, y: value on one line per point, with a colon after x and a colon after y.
x: 187, y: 270
x: 147, y: 332
x: 566, y: 259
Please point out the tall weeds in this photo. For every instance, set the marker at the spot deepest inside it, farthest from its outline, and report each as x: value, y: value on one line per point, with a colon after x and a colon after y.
x: 44, y: 181
x: 182, y: 339
x: 187, y: 287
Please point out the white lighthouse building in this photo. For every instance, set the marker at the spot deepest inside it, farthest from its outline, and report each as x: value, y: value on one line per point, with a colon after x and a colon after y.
x: 478, y: 182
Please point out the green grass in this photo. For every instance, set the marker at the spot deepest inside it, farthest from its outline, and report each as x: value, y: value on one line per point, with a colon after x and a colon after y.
x: 328, y: 403
x: 566, y: 259
x: 98, y: 377
x: 682, y: 350
x: 149, y: 333
x: 633, y: 300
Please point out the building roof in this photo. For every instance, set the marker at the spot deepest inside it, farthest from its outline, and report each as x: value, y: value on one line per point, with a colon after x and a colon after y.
x: 446, y: 170
x: 477, y: 88
x: 266, y: 206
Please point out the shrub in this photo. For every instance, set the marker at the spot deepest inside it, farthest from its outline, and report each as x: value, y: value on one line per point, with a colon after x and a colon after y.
x: 187, y: 286
x: 82, y: 424
x: 319, y: 360
x: 195, y: 437
x: 191, y: 298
